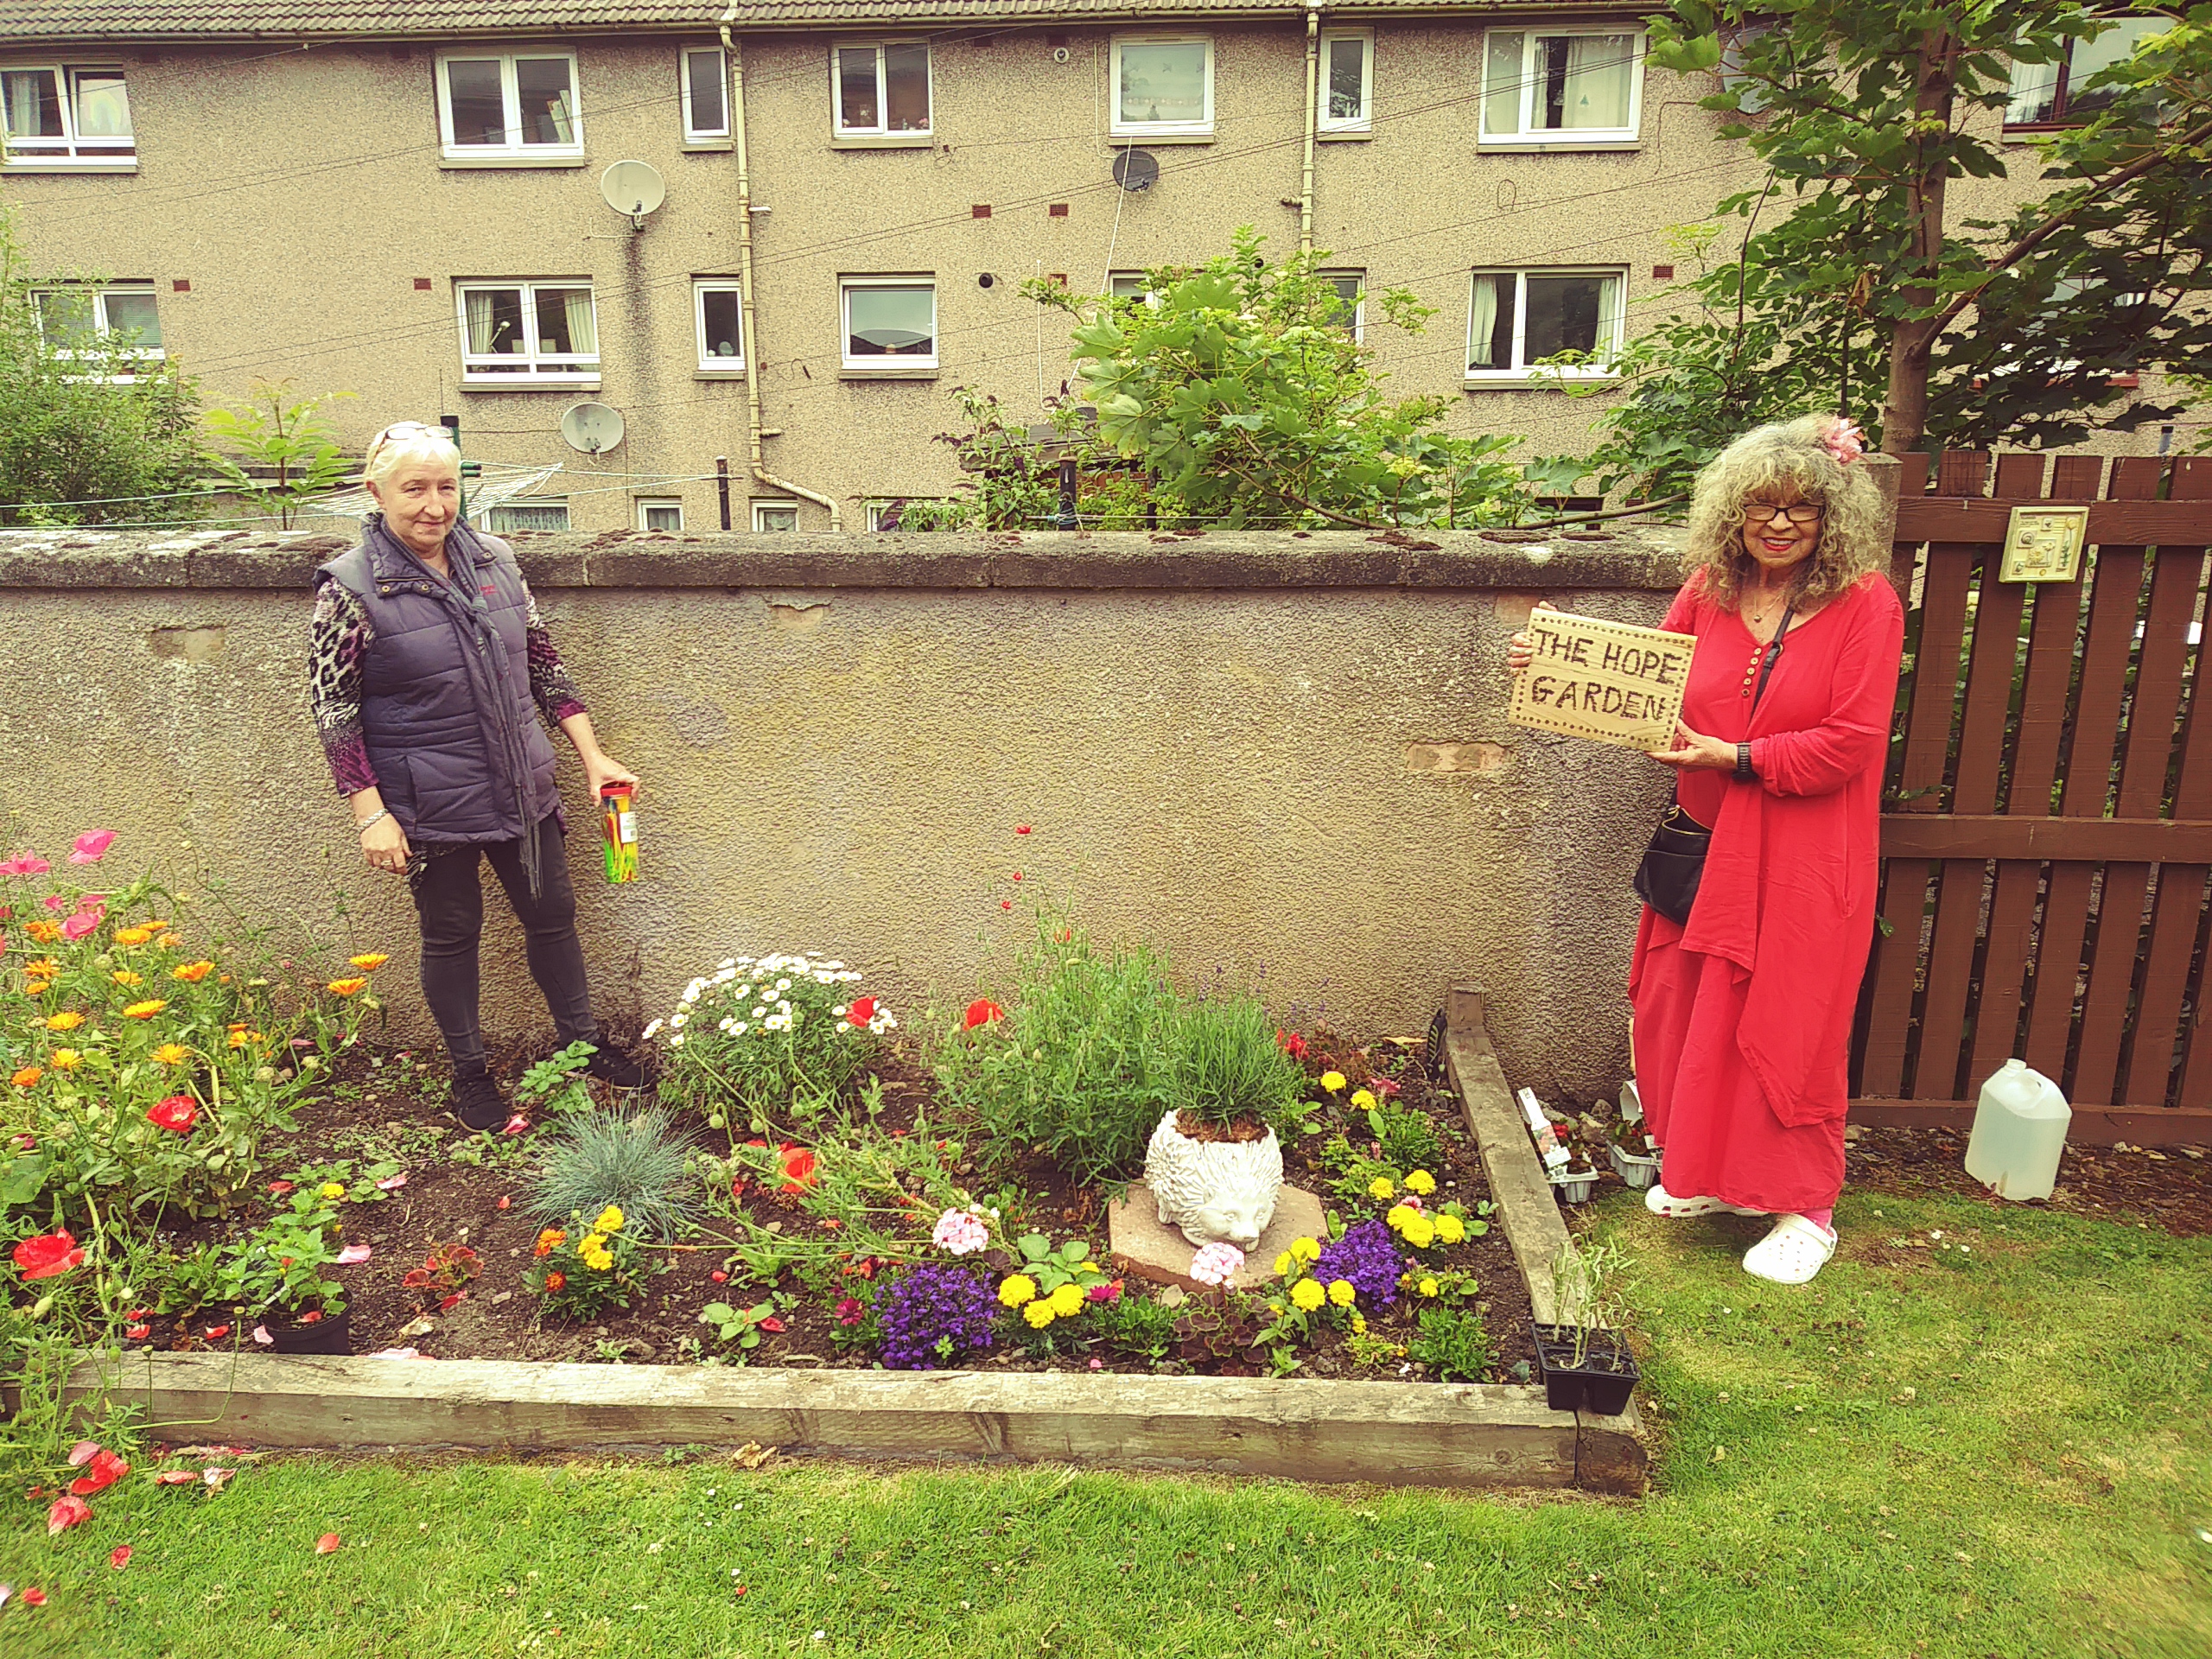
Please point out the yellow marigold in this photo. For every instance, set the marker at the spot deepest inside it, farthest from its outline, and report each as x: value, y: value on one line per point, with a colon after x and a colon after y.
x: 44, y: 968
x: 1067, y: 1301
x: 1420, y: 1181
x: 193, y: 972
x: 1039, y: 1313
x: 1398, y: 1216
x: 547, y: 1240
x: 37, y: 987
x: 1421, y: 1232
x: 1380, y: 1187
x: 44, y: 931
x: 1307, y: 1293
x: 610, y: 1220
x: 240, y: 1039
x: 155, y: 925
x: 1306, y: 1249
x: 27, y: 1076
x: 1282, y: 1264
x: 333, y: 1189
x: 1363, y: 1099
x: 125, y: 976
x: 1359, y: 1324
x: 345, y: 986
x: 1332, y: 1081
x: 369, y: 961
x: 1428, y: 1287
x: 67, y: 1019
x: 146, y: 1010
x: 1016, y: 1289
x: 598, y: 1261
x: 133, y: 935
x: 64, y: 1060
x: 1450, y: 1229
x: 1341, y: 1292
x: 172, y: 1053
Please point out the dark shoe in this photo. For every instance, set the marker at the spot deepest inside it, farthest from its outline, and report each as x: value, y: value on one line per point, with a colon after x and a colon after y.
x: 612, y: 1066
x: 476, y: 1100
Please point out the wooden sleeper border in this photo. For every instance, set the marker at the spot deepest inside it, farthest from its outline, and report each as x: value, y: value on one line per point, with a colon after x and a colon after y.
x: 1471, y: 1435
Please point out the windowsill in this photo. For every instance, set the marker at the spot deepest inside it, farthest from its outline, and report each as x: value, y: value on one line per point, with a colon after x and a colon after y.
x: 1118, y: 139
x: 1343, y: 135
x: 919, y: 373
x: 1545, y: 146
x: 508, y: 159
x: 530, y: 383
x: 71, y: 164
x: 1535, y: 382
x: 718, y: 374
x: 698, y: 146
x: 883, y: 141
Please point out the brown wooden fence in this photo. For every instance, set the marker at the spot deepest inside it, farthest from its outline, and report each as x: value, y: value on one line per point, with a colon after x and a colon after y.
x: 2047, y: 834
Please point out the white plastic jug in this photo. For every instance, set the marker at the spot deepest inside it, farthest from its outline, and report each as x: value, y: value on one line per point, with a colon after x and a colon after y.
x: 2019, y: 1133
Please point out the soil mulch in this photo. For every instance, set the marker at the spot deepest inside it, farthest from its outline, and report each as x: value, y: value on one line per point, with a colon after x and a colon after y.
x: 2168, y: 1189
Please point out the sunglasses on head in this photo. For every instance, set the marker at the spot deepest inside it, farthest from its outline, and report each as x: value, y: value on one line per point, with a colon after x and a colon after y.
x: 399, y: 429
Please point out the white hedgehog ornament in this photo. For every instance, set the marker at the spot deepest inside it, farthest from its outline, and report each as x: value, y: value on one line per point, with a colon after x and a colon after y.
x: 1216, y: 1191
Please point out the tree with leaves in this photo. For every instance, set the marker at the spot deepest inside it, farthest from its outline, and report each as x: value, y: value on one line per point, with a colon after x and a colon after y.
x: 292, y: 446
x: 1857, y: 286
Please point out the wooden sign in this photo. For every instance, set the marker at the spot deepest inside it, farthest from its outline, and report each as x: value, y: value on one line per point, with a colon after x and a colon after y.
x: 2043, y: 543
x: 1610, y: 682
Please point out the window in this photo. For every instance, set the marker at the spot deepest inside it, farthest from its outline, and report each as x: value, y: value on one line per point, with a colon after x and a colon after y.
x: 1352, y: 301
x: 718, y: 317
x: 1347, y: 89
x: 1517, y: 318
x: 881, y: 89
x: 535, y: 333
x: 66, y: 115
x: 705, y: 98
x: 1735, y: 40
x: 775, y: 515
x: 514, y: 106
x: 73, y: 316
x: 1163, y: 88
x: 1572, y: 87
x: 882, y: 516
x: 2050, y: 94
x: 544, y: 513
x: 660, y: 513
x: 890, y: 322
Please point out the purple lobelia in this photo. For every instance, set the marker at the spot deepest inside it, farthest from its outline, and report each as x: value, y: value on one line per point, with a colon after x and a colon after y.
x: 1367, y: 1255
x: 932, y: 1316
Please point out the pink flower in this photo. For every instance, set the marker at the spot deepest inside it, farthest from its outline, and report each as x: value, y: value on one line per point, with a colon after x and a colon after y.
x: 961, y: 1233
x: 56, y: 902
x: 1109, y: 1291
x: 1215, y: 1264
x: 83, y: 922
x: 352, y: 1254
x: 516, y: 1125
x: 850, y: 1310
x: 25, y: 864
x: 91, y: 846
x: 67, y: 1512
x: 178, y: 1112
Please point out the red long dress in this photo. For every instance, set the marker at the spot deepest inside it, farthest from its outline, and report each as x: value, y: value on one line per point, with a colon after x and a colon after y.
x: 1743, y: 1018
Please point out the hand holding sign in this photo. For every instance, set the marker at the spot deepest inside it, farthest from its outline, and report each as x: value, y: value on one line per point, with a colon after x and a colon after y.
x: 1610, y: 682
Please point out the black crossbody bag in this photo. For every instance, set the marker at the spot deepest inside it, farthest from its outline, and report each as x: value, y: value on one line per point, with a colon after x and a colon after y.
x: 1674, y: 863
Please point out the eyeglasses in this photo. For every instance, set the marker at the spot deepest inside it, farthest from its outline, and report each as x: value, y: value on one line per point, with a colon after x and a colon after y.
x: 1798, y: 513
x: 398, y: 429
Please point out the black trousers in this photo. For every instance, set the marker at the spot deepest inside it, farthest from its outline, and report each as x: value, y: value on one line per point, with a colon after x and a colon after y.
x: 450, y: 901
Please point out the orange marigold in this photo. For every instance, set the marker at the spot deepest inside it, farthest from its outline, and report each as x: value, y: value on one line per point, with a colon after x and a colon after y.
x: 44, y: 968
x: 132, y: 935
x: 27, y: 1076
x: 193, y: 972
x: 369, y: 961
x: 67, y: 1019
x: 345, y: 986
x: 240, y: 1038
x: 125, y: 976
x: 37, y: 987
x: 554, y: 1281
x: 146, y: 1010
x: 155, y: 925
x: 546, y: 1241
x: 44, y: 931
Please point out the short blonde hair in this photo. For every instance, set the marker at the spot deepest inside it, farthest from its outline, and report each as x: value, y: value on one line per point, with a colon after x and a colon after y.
x: 406, y: 441
x: 1815, y: 454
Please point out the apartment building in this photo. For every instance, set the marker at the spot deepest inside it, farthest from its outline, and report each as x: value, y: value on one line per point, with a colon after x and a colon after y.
x: 495, y: 212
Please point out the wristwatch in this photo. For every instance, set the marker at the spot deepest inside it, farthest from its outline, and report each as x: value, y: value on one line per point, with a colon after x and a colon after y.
x: 1744, y: 773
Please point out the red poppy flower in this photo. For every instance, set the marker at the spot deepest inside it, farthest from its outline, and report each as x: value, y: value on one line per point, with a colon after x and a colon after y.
x: 137, y: 1332
x: 67, y: 1512
x: 1291, y: 1043
x: 178, y: 1112
x: 313, y: 1316
x: 981, y: 1011
x: 1021, y: 828
x: 118, y: 1555
x: 862, y: 1011
x: 34, y: 1596
x: 217, y: 1332
x: 47, y: 1254
x: 279, y: 1188
x: 104, y: 1470
x: 1005, y: 903
x: 798, y: 1168
x: 772, y: 1322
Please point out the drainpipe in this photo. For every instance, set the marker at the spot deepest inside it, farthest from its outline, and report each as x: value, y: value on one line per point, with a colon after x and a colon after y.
x: 1313, y: 120
x: 735, y: 54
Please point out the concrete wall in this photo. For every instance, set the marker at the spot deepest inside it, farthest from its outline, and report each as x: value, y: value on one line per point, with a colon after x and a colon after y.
x: 1282, y: 758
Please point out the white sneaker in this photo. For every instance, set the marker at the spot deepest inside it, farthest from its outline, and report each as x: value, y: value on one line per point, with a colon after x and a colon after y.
x: 1660, y: 1202
x: 1792, y: 1253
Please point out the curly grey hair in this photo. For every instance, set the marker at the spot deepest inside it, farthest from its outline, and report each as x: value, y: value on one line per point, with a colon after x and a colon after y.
x: 1813, y: 456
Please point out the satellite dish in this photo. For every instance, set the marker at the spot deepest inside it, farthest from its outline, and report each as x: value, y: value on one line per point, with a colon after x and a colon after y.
x: 633, y: 187
x: 592, y: 428
x: 1136, y: 169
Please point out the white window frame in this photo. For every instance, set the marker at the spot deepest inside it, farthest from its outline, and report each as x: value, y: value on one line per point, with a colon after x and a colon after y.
x: 2062, y: 91
x: 77, y: 154
x: 701, y: 287
x: 762, y: 509
x: 98, y: 296
x: 1521, y: 372
x: 513, y: 149
x: 1189, y: 130
x: 573, y: 368
x: 712, y: 137
x: 1358, y: 306
x: 887, y: 362
x: 648, y: 505
x: 1362, y: 124
x: 493, y: 516
x: 1539, y: 138
x: 882, y: 132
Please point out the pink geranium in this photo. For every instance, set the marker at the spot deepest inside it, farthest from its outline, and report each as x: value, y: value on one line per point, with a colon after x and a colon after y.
x: 960, y: 1232
x: 1215, y: 1264
x: 91, y: 846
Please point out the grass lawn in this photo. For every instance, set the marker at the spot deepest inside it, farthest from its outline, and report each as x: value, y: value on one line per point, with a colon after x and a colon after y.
x: 2003, y: 1449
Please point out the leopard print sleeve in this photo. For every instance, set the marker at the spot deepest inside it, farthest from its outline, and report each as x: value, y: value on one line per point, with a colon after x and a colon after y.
x: 339, y: 638
x: 554, y: 692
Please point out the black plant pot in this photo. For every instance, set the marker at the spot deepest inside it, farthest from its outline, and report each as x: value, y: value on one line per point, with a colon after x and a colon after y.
x: 331, y: 1334
x: 1602, y: 1384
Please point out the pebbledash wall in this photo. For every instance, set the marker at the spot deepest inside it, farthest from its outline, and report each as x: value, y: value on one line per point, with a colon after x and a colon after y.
x: 1282, y: 759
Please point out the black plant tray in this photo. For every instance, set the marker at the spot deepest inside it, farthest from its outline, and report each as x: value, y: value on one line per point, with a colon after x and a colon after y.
x: 1608, y: 1375
x: 332, y: 1334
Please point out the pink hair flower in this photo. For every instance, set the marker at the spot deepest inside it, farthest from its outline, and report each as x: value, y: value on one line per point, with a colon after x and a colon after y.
x: 91, y: 846
x: 1845, y: 441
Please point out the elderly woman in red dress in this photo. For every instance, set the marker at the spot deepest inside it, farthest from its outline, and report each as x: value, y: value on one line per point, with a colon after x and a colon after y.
x: 1742, y: 1016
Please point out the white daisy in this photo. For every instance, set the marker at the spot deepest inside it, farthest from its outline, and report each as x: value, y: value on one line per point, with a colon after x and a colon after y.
x: 650, y: 1029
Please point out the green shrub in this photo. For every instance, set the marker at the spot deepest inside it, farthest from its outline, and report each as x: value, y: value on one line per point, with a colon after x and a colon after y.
x: 1453, y: 1342
x: 1135, y: 1325
x: 635, y: 1162
x: 1407, y: 1137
